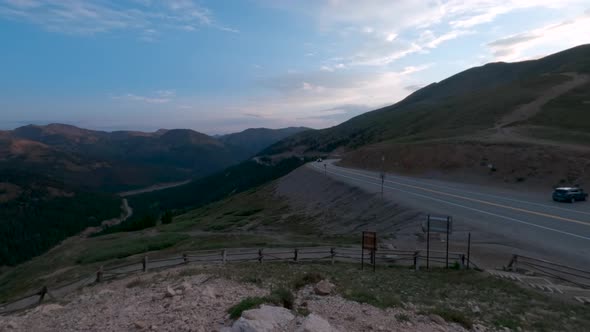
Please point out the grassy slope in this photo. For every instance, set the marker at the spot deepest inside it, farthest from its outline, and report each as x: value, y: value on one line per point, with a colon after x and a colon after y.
x: 450, y: 294
x: 460, y: 105
x: 249, y: 219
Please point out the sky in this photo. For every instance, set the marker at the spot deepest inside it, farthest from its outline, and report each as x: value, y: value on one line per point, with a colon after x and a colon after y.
x: 222, y: 66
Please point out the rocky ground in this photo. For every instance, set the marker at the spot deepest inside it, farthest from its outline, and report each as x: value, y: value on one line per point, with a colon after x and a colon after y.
x: 177, y: 301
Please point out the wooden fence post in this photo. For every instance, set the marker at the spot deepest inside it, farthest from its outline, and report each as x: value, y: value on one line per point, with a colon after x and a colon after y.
x: 145, y: 263
x: 462, y: 261
x: 42, y: 294
x: 99, y: 274
x: 295, y: 254
x: 223, y: 256
x: 332, y: 254
x: 184, y: 258
x: 260, y: 255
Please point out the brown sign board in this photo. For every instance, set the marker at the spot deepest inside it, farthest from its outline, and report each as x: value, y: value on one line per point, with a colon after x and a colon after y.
x: 370, y: 240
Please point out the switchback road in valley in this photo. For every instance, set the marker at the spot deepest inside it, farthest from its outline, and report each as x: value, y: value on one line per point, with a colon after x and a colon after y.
x: 527, y: 221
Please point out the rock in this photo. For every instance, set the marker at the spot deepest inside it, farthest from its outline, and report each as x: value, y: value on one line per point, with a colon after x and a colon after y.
x: 265, y: 319
x: 437, y: 319
x: 140, y: 325
x: 170, y: 292
x: 48, y: 308
x: 324, y: 287
x: 186, y: 286
x: 209, y: 292
x: 178, y: 292
x: 315, y: 323
x: 10, y: 326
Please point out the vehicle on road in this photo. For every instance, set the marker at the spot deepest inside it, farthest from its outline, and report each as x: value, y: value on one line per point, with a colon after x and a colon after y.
x: 319, y: 160
x: 568, y: 194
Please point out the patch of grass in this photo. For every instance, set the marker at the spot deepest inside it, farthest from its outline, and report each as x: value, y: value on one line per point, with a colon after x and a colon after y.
x: 451, y: 315
x: 247, y: 213
x: 246, y: 304
x: 125, y: 247
x: 401, y: 317
x: 307, y: 279
x: 135, y: 283
x: 508, y: 321
x: 282, y: 296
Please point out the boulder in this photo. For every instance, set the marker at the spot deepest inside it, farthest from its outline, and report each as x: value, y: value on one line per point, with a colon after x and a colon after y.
x: 170, y: 292
x: 324, y: 287
x: 265, y: 319
x: 186, y: 286
x: 140, y: 325
x: 437, y: 319
x: 209, y: 292
x: 315, y: 323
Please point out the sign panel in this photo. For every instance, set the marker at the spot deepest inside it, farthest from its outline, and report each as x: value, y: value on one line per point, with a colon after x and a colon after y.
x: 438, y: 224
x: 370, y: 240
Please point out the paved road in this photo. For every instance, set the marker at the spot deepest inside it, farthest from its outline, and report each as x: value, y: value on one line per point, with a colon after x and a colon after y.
x: 529, y: 222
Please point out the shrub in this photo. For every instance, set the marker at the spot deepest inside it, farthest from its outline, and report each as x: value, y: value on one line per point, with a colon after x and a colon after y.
x: 167, y: 217
x: 307, y: 279
x: 282, y: 296
x: 454, y: 316
x: 246, y: 304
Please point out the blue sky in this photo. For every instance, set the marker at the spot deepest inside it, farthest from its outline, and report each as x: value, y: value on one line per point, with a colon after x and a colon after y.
x: 226, y: 65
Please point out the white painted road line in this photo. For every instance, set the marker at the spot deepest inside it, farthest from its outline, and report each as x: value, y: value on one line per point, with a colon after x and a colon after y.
x: 459, y: 205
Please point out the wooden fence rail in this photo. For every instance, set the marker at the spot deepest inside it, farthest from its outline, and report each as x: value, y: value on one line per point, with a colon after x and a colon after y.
x: 223, y: 256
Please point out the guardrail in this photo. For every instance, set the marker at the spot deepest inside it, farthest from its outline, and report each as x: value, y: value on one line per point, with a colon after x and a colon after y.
x: 558, y: 271
x: 223, y: 256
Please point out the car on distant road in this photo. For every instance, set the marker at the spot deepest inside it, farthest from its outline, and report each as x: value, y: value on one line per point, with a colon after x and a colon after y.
x: 319, y: 160
x: 569, y: 194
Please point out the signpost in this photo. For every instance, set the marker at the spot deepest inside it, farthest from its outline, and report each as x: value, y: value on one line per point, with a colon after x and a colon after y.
x: 437, y: 225
x: 369, y: 243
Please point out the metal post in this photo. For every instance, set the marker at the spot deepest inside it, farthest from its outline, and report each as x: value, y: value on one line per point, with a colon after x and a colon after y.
x: 428, y: 244
x: 362, y: 258
x: 374, y: 259
x: 296, y: 254
x: 145, y: 263
x: 99, y: 274
x: 332, y: 254
x: 184, y: 258
x: 260, y: 256
x: 223, y: 256
x: 42, y: 294
x: 417, y: 260
x: 448, y: 229
x: 468, y: 250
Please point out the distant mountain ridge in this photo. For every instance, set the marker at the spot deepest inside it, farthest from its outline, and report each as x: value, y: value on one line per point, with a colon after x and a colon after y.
x: 120, y: 160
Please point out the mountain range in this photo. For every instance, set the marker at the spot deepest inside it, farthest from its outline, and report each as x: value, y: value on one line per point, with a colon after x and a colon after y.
x: 121, y: 160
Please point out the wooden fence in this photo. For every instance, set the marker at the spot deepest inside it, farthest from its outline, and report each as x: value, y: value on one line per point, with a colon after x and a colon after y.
x: 416, y: 259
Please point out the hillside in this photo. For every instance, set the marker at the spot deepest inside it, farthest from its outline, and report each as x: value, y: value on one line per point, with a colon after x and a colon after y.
x: 36, y: 213
x: 253, y: 140
x: 122, y: 160
x: 522, y: 118
x: 470, y: 104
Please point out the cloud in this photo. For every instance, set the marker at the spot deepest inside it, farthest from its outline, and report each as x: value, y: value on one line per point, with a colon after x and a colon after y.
x: 160, y: 97
x: 96, y: 16
x: 541, y: 41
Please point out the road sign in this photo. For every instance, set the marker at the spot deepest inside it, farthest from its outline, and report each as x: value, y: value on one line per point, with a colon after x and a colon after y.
x: 438, y: 224
x: 370, y: 240
x: 369, y: 243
